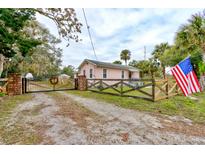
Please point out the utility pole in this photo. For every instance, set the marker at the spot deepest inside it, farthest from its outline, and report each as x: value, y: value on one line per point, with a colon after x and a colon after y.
x: 145, y: 53
x: 88, y: 28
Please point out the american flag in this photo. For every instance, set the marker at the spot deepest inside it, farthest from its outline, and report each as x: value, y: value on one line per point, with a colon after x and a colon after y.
x: 186, y: 77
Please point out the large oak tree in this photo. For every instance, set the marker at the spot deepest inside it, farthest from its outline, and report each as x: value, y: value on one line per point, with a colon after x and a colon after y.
x: 13, y: 21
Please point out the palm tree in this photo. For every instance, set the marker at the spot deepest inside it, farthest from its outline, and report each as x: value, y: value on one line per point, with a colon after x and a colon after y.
x: 191, y: 40
x: 125, y: 55
x: 192, y: 34
x: 158, y: 53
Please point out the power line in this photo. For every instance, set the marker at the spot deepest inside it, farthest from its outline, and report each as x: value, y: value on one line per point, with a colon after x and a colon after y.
x: 88, y: 28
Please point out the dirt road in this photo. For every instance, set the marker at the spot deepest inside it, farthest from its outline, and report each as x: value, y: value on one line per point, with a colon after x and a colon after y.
x: 61, y: 118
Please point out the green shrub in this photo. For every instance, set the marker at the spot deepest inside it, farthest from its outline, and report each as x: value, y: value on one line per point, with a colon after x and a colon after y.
x: 2, y: 94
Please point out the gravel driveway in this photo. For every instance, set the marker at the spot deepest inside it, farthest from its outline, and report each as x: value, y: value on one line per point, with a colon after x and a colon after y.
x: 62, y: 118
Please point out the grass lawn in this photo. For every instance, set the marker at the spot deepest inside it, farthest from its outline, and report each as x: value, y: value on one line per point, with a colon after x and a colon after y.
x: 178, y: 105
x: 9, y: 103
x: 131, y: 93
x: 15, y: 133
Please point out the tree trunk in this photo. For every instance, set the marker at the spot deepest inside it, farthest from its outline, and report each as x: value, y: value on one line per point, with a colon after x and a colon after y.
x: 1, y: 64
x: 152, y: 75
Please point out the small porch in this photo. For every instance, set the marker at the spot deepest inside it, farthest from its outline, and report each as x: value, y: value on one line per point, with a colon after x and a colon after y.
x: 133, y: 74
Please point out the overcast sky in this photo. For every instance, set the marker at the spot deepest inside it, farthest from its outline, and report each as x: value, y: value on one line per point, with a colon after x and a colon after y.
x: 116, y: 29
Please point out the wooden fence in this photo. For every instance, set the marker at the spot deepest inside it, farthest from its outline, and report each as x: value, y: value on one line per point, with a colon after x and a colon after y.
x: 165, y: 88
x: 148, y: 89
x: 3, y: 85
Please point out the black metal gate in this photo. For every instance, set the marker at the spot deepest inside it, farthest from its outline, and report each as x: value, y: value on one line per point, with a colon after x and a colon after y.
x: 48, y: 85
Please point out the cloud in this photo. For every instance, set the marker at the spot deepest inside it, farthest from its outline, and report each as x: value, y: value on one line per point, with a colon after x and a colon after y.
x: 116, y: 29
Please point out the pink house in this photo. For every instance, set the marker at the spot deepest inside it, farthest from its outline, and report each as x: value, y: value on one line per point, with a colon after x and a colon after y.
x: 93, y: 69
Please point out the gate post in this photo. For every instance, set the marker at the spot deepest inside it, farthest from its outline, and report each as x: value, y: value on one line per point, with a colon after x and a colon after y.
x: 82, y: 83
x: 14, y: 84
x: 24, y: 85
x: 76, y: 83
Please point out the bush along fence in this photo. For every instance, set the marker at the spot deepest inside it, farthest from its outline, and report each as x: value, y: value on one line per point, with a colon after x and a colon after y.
x: 149, y: 89
x: 3, y: 86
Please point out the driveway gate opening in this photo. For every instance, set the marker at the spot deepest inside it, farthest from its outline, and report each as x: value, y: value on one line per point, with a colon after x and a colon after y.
x: 48, y: 85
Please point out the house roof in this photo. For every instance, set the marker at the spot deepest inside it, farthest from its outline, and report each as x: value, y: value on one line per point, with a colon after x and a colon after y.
x: 110, y: 65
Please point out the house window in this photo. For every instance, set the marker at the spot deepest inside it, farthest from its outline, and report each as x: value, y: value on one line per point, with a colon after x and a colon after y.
x: 123, y: 75
x: 84, y: 72
x: 91, y: 73
x: 104, y: 73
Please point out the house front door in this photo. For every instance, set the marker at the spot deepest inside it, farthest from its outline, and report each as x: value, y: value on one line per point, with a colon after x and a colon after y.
x: 130, y: 75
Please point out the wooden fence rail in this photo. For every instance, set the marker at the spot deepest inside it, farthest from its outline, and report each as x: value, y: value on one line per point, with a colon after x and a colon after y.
x: 165, y: 89
x: 148, y: 89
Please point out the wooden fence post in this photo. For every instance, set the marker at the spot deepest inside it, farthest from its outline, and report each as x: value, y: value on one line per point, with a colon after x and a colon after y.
x: 167, y: 88
x: 177, y: 89
x: 153, y: 90
x: 101, y: 87
x: 121, y: 87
